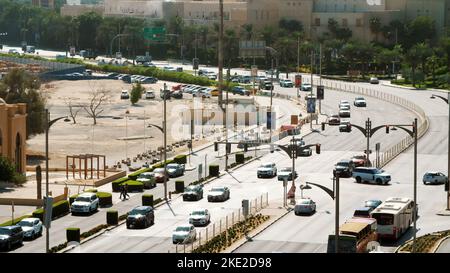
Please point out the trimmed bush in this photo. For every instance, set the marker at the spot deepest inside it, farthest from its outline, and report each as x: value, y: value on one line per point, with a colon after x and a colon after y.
x: 214, y: 170
x: 93, y: 231
x: 116, y: 183
x: 59, y: 208
x: 134, y: 186
x: 104, y: 198
x: 73, y: 234
x: 179, y: 186
x: 72, y: 198
x: 112, y: 217
x: 16, y: 220
x: 147, y: 200
x: 181, y: 159
x: 240, y: 158
x: 161, y: 165
x: 91, y: 190
x: 134, y: 176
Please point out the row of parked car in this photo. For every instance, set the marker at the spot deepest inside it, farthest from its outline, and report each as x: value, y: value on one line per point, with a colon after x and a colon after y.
x: 25, y: 229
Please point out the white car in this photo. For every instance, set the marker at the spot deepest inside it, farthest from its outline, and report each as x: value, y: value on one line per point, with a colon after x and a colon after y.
x: 32, y: 227
x: 305, y: 205
x: 267, y: 170
x: 344, y: 113
x: 200, y: 217
x: 344, y: 103
x: 149, y: 95
x: 370, y: 174
x: 148, y: 179
x: 85, y: 203
x: 286, y: 83
x: 344, y: 107
x: 286, y: 173
x: 360, y: 102
x: 184, y: 234
x: 434, y: 178
x: 374, y: 80
x: 124, y: 95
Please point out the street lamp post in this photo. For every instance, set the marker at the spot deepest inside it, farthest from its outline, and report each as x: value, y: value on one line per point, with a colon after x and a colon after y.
x: 447, y: 100
x: 112, y: 40
x: 48, y: 124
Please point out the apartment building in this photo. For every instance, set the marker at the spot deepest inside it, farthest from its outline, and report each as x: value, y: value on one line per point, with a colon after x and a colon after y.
x: 44, y: 3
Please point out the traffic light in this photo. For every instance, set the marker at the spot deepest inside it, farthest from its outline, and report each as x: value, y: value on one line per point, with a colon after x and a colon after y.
x: 216, y: 146
x: 317, y: 148
x: 323, y: 126
x: 245, y: 147
x: 446, y: 185
x: 228, y: 148
x: 387, y: 129
x: 294, y: 151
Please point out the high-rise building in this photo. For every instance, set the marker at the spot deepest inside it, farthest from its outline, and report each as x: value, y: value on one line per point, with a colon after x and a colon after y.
x: 44, y: 3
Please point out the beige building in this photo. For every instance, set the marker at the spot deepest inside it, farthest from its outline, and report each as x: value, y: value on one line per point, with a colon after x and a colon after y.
x: 44, y: 3
x: 13, y: 118
x: 77, y: 10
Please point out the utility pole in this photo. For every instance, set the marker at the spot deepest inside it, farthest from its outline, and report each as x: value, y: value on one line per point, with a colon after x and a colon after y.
x: 336, y: 224
x: 320, y: 75
x: 368, y: 131
x: 312, y: 58
x: 220, y: 63
x: 165, y: 142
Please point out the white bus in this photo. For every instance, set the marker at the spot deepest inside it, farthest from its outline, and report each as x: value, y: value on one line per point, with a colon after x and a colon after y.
x: 394, y: 216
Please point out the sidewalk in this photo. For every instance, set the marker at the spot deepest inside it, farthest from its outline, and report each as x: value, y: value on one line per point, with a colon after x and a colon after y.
x: 388, y: 83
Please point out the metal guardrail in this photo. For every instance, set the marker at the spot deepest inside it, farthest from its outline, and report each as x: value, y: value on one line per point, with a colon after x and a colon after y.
x: 395, y: 149
x: 217, y: 227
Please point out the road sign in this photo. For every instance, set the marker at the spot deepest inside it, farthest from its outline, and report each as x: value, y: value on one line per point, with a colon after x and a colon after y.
x: 156, y: 34
x: 320, y: 92
x: 378, y: 146
x: 252, y: 49
x: 48, y: 207
x: 195, y: 62
x: 298, y: 81
x: 200, y: 171
x: 271, y: 121
x: 311, y: 105
x: 72, y: 51
x: 254, y: 71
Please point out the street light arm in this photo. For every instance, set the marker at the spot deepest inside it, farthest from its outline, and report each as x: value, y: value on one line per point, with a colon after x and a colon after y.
x: 157, y: 126
x: 410, y: 132
x: 50, y: 123
x: 362, y: 129
x: 441, y: 97
x: 373, y: 130
x: 327, y: 190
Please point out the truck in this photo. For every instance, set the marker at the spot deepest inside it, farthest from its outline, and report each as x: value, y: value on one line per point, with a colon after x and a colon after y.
x: 30, y: 49
x: 143, y: 59
x: 88, y: 54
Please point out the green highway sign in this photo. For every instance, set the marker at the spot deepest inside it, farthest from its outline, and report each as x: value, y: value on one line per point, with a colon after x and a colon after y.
x: 157, y: 34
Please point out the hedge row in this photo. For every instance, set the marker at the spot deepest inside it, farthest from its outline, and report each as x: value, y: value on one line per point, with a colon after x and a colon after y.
x: 180, y: 159
x: 73, y: 234
x: 112, y: 217
x: 231, y: 235
x: 147, y: 200
x: 16, y: 220
x: 134, y: 176
x: 134, y: 186
x: 59, y: 209
x: 117, y: 183
x: 214, y: 170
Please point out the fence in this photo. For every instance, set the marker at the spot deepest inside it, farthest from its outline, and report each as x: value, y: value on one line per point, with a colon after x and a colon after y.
x: 48, y: 66
x: 394, y: 150
x: 217, y: 227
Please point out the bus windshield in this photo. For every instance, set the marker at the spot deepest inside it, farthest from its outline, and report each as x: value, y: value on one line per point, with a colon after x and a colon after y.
x: 384, y: 219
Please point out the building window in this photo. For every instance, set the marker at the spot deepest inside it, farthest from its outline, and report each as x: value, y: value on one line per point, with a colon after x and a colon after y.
x: 317, y: 22
x: 344, y: 22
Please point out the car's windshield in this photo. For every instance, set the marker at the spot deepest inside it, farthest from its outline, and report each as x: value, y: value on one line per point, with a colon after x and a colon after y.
x: 25, y: 224
x: 268, y: 165
x: 359, y: 98
x: 172, y: 166
x: 182, y: 229
x: 371, y: 203
x: 198, y: 212
x: 384, y: 219
x: 147, y: 176
x: 218, y: 189
x: 4, y: 231
x: 136, y: 212
x: 343, y: 164
x: 159, y: 170
x: 286, y: 169
x: 304, y: 202
x: 191, y: 188
x: 83, y: 199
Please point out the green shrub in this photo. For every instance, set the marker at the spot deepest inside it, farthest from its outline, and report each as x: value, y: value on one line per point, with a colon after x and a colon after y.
x: 93, y: 231
x: 123, y: 217
x: 134, y: 186
x: 214, y: 170
x: 116, y: 183
x: 18, y: 179
x: 240, y: 158
x: 73, y: 234
x: 72, y: 198
x: 58, y: 247
x: 112, y: 217
x: 104, y: 198
x: 7, y: 169
x: 136, y: 93
x: 147, y: 200
x: 134, y: 176
x: 179, y: 186
x: 91, y: 190
x: 161, y: 165
x: 181, y: 159
x: 59, y: 208
x: 16, y: 220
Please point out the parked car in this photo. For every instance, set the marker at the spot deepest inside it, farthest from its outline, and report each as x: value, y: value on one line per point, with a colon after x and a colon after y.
x: 240, y: 90
x: 360, y: 160
x: 267, y: 170
x: 124, y: 95
x: 141, y: 216
x: 184, y: 234
x: 245, y: 79
x: 10, y: 235
x: 305, y: 87
x: 344, y: 113
x: 85, y: 203
x: 149, y: 80
x: 148, y: 179
x: 286, y: 83
x: 150, y: 95
x: 363, y: 212
x: 334, y: 120
x: 374, y: 80
x: 345, y: 126
x: 202, y: 93
x: 374, y: 203
x: 200, y: 217
x: 434, y: 178
x: 305, y: 206
x: 219, y: 194
x: 193, y: 192
x: 286, y: 173
x: 360, y: 102
x: 175, y: 169
x: 159, y: 175
x: 266, y: 85
x: 164, y: 94
x: 32, y: 227
x: 370, y: 174
x: 178, y: 94
x: 344, y: 168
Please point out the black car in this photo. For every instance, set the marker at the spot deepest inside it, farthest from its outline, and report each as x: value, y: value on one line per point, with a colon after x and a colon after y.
x: 193, y: 192
x: 10, y: 235
x: 177, y: 94
x: 142, y: 216
x: 344, y: 168
x: 149, y: 80
x: 126, y: 78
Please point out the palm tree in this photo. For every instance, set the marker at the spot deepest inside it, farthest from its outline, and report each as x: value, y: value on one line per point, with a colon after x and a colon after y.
x: 412, y: 57
x: 247, y: 31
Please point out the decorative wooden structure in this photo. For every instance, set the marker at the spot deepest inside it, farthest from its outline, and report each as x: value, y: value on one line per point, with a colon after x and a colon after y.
x: 84, y: 160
